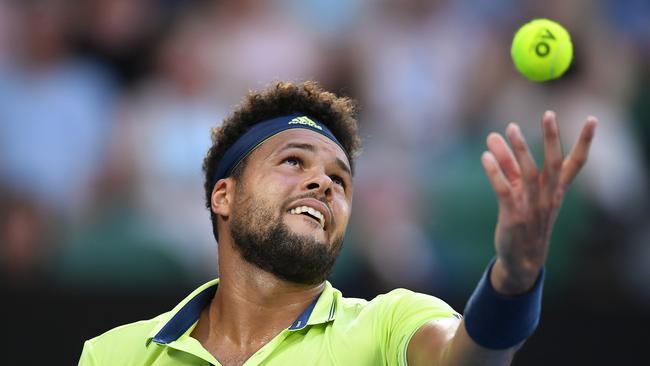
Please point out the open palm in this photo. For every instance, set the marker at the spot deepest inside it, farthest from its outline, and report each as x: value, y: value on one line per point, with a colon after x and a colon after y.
x: 528, y: 199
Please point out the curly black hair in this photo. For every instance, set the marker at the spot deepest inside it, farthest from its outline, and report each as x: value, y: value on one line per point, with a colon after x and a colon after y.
x: 339, y: 114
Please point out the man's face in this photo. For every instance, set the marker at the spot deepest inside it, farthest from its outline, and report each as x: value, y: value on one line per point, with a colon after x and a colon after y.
x: 292, y: 206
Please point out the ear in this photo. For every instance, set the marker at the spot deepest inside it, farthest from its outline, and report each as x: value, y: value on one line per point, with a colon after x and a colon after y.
x: 222, y: 197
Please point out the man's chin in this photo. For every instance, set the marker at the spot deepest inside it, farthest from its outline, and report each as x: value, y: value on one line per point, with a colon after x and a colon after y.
x: 294, y: 250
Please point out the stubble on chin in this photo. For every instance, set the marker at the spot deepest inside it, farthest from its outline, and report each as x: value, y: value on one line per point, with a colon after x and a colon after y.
x: 264, y: 240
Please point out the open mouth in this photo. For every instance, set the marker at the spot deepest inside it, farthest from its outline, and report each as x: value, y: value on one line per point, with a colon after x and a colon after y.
x: 311, y: 213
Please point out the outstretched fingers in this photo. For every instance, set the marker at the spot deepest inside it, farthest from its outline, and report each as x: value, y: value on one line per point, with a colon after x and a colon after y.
x: 497, y: 178
x: 503, y: 154
x: 524, y: 158
x: 552, y: 155
x: 578, y: 155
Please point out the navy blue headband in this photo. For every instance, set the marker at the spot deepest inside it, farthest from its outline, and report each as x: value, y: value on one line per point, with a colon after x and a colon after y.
x: 261, y: 132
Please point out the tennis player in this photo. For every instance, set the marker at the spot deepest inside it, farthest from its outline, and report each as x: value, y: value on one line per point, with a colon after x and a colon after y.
x: 278, y: 183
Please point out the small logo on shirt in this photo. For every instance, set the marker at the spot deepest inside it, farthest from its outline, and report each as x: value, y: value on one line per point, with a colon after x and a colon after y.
x: 305, y: 121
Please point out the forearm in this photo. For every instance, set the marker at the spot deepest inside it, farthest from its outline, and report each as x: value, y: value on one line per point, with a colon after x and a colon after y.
x: 463, y: 350
x: 500, y: 315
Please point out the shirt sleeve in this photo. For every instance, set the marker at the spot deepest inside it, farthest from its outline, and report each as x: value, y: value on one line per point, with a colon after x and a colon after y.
x: 87, y: 357
x: 400, y: 313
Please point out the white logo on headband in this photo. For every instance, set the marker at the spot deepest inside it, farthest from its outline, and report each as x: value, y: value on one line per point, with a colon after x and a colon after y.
x: 305, y: 121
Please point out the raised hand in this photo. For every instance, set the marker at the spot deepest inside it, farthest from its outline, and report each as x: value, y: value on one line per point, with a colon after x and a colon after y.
x: 529, y: 200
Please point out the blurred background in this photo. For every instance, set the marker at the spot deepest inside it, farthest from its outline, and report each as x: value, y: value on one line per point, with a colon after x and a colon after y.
x: 105, y: 113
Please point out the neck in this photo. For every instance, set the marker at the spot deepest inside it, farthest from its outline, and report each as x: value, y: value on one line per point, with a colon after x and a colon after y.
x: 251, y: 306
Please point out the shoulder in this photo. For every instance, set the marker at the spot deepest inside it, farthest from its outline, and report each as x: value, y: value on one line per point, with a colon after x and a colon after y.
x: 404, y: 300
x: 135, y: 330
x: 385, y: 324
x: 397, y: 308
x: 126, y: 342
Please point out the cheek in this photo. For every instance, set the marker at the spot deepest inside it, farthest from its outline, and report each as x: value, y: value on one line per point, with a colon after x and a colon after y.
x: 276, y: 187
x: 342, y: 210
x: 282, y: 182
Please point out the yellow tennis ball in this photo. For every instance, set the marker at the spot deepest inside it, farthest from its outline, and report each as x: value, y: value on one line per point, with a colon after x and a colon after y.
x: 542, y: 50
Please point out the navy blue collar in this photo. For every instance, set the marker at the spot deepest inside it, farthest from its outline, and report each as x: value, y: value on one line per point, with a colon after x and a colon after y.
x: 185, y: 317
x: 301, y: 322
x: 190, y: 313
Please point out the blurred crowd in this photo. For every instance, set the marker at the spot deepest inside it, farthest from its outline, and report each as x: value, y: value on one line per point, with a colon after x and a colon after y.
x: 106, y: 108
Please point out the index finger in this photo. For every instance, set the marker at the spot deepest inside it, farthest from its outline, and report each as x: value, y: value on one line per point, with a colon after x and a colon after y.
x: 552, y: 152
x: 578, y: 156
x: 524, y: 158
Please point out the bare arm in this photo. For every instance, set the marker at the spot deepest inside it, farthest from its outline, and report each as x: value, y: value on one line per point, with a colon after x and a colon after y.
x: 446, y: 342
x: 529, y: 201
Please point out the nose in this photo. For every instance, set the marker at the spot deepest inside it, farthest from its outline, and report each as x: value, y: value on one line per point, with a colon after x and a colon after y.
x: 320, y: 183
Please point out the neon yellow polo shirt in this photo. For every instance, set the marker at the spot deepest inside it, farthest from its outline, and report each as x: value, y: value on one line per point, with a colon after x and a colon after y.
x: 333, y: 330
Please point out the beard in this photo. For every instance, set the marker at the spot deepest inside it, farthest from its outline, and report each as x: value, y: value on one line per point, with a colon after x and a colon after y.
x: 264, y: 240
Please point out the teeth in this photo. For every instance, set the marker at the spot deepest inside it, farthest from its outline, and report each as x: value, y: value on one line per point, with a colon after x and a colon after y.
x: 311, y: 211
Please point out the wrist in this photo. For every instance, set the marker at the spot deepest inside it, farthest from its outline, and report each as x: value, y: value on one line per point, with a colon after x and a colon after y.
x: 512, y: 283
x: 498, y: 321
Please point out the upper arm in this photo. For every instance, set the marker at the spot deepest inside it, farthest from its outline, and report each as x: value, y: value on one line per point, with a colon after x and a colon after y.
x: 431, y: 341
x: 399, y: 315
x: 87, y: 358
x: 446, y: 342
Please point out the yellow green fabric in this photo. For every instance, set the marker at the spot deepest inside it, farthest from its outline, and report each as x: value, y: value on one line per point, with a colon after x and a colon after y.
x: 336, y: 331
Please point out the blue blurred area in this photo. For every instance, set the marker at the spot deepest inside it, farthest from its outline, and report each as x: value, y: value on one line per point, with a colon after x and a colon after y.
x: 106, y: 108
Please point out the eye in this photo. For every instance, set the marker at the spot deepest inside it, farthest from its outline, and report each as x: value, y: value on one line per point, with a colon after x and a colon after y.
x: 293, y: 160
x: 338, y: 180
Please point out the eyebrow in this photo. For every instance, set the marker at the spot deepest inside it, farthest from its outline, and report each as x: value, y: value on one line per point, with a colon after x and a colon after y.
x: 312, y: 148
